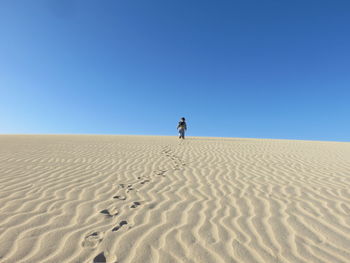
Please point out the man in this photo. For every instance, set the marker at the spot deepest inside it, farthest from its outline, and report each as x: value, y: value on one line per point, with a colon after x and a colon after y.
x: 182, y: 127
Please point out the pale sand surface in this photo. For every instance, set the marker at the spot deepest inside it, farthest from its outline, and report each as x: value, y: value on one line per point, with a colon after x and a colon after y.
x: 81, y: 198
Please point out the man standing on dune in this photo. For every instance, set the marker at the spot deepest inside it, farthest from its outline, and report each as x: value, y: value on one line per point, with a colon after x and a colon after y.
x: 182, y: 127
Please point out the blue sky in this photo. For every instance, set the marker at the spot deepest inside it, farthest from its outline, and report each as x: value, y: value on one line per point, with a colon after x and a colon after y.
x: 262, y: 69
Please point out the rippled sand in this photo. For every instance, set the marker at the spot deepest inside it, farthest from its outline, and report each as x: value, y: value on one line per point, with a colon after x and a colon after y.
x: 80, y: 198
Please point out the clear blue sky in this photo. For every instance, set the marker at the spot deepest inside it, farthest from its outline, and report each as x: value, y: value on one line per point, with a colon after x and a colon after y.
x: 263, y: 69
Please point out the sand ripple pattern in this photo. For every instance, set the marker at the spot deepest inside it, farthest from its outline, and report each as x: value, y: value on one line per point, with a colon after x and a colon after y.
x: 139, y: 199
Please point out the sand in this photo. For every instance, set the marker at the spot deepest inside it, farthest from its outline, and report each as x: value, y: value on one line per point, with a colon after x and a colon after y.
x: 82, y: 198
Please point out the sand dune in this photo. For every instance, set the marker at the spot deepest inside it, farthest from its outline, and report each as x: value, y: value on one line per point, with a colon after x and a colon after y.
x: 80, y: 198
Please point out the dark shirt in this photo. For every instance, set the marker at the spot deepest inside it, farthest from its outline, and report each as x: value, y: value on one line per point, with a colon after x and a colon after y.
x: 182, y: 125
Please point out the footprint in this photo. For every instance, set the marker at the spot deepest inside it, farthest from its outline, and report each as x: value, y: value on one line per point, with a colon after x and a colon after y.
x: 120, y: 197
x: 151, y: 206
x: 145, y: 181
x: 92, y: 240
x: 161, y: 172
x: 130, y: 188
x: 135, y: 204
x: 110, y: 212
x: 120, y: 225
x: 100, y: 258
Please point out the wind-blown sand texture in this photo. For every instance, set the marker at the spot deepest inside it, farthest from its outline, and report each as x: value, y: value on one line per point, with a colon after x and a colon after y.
x: 81, y: 198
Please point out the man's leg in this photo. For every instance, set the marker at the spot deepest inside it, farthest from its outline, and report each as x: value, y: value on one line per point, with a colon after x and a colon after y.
x: 182, y: 133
